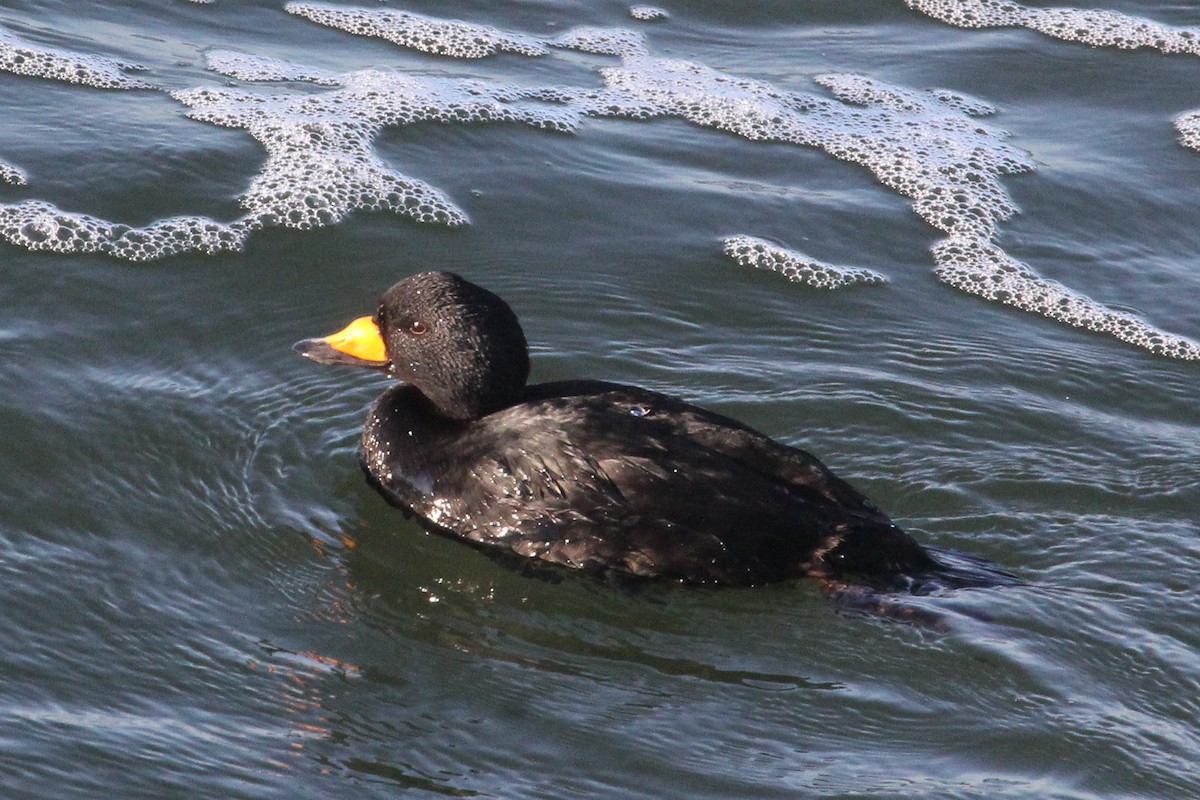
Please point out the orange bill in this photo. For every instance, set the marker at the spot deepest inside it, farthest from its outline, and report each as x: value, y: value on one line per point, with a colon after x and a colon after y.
x: 359, y: 344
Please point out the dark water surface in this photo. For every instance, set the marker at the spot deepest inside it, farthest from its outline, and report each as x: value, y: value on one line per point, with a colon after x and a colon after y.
x: 201, y: 598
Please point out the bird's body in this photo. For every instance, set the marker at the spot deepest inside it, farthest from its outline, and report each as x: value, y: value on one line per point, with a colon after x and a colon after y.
x: 603, y: 476
x: 595, y: 475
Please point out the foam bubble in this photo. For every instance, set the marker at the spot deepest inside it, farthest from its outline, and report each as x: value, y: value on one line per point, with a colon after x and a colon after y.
x: 10, y: 173
x: 320, y: 164
x: 247, y: 67
x: 25, y: 58
x: 602, y: 41
x: 1188, y: 125
x: 750, y: 251
x: 928, y: 145
x: 41, y: 226
x: 925, y: 145
x: 1098, y: 28
x: 427, y: 34
x: 971, y: 13
x: 980, y: 267
x: 647, y: 13
x: 320, y: 161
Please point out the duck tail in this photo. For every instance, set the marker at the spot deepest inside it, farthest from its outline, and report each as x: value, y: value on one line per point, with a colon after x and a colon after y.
x: 896, y: 597
x: 957, y: 570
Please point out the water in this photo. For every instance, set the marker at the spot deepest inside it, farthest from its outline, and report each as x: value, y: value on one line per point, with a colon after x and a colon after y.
x: 203, y: 599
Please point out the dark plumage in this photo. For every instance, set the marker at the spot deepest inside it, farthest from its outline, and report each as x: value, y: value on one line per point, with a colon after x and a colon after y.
x: 596, y: 475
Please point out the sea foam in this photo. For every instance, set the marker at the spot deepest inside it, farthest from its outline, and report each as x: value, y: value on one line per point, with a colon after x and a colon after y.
x: 22, y: 57
x: 750, y: 251
x: 927, y: 145
x: 428, y: 34
x: 932, y: 146
x: 1095, y: 27
x: 11, y: 173
x: 647, y: 13
x: 41, y: 226
x: 321, y: 163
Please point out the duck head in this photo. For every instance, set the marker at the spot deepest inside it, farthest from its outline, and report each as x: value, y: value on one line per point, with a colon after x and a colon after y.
x: 457, y: 343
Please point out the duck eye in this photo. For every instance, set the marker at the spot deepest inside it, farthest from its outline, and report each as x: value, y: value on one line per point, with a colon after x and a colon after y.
x: 417, y: 328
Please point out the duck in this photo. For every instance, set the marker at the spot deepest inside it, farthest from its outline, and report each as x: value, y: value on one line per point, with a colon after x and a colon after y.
x: 599, y: 476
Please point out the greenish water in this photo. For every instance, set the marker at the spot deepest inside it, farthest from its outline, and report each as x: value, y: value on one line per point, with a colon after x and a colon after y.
x: 203, y: 599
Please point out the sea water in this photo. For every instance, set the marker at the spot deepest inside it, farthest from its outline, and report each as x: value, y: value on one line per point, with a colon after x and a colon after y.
x: 950, y: 247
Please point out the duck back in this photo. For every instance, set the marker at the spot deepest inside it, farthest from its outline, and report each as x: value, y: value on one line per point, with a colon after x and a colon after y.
x: 602, y: 476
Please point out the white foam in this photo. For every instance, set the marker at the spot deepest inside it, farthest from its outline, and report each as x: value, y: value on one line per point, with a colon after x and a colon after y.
x: 750, y: 251
x: 602, y: 41
x: 1188, y: 125
x: 980, y: 267
x: 10, y: 173
x: 929, y: 145
x: 647, y: 13
x: 427, y: 34
x: 41, y: 226
x: 21, y: 57
x: 321, y: 164
x: 926, y: 145
x: 246, y: 67
x: 1095, y: 27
